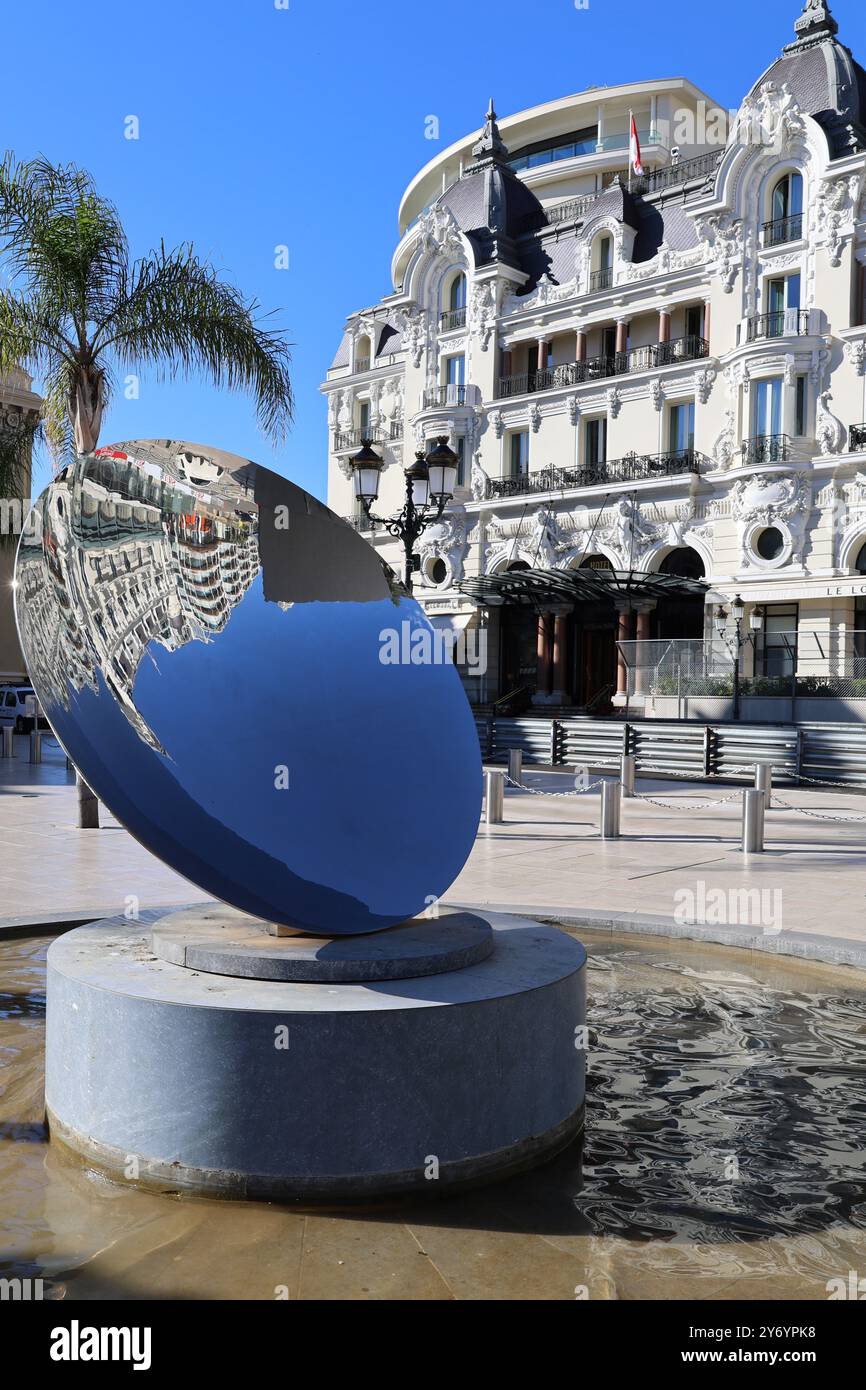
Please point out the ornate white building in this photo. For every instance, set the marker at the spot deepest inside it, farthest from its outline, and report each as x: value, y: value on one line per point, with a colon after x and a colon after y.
x: 663, y: 375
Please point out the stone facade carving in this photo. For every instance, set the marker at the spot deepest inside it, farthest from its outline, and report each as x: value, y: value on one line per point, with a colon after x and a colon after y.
x: 725, y: 446
x: 534, y: 417
x: 614, y: 401
x: 780, y: 500
x: 772, y: 117
x: 445, y: 540
x: 855, y: 351
x: 704, y: 380
x: 479, y: 482
x: 657, y: 392
x: 414, y: 333
x: 483, y: 313
x: 829, y: 431
x: 724, y: 237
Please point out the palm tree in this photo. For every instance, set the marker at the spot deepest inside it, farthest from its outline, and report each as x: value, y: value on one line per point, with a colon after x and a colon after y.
x: 76, y: 311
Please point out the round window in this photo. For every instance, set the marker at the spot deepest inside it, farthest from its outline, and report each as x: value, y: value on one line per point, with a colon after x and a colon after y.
x: 770, y: 543
x: 437, y: 571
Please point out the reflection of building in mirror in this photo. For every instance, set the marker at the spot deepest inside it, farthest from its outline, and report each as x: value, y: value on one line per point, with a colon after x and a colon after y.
x: 146, y: 561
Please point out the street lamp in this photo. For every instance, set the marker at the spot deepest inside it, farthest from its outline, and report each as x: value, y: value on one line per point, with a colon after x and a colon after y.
x: 430, y: 483
x: 737, y: 611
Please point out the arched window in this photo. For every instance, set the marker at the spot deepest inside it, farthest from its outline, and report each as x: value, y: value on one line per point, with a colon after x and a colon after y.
x: 684, y: 562
x: 363, y: 354
x: 786, y: 210
x: 453, y: 313
x: 860, y: 562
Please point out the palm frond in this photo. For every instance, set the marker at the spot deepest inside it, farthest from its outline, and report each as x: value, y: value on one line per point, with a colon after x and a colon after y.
x: 176, y: 314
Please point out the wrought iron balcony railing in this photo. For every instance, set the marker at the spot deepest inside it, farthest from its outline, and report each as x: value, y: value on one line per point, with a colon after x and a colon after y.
x: 352, y: 439
x: 783, y: 229
x: 782, y: 323
x: 601, y: 279
x: 701, y: 167
x: 857, y: 437
x: 452, y: 318
x: 766, y: 448
x: 453, y: 394
x: 362, y: 523
x: 631, y: 468
x: 686, y: 349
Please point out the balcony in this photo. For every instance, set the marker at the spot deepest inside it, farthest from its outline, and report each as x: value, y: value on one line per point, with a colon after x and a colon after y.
x: 857, y: 437
x: 362, y: 364
x: 362, y: 524
x: 687, y: 349
x: 783, y: 229
x: 630, y: 469
x: 601, y: 279
x: 444, y: 397
x: 353, y: 439
x: 766, y: 448
x: 702, y: 166
x: 782, y: 323
x: 452, y: 318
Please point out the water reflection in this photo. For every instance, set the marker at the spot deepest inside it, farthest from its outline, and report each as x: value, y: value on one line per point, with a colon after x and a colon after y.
x: 205, y: 637
x: 690, y: 1066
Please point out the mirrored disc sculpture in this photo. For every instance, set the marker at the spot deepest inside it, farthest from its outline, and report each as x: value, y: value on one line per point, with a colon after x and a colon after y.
x: 247, y: 687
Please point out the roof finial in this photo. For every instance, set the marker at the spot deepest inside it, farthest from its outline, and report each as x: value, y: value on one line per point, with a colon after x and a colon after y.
x: 815, y: 23
x: 491, y: 144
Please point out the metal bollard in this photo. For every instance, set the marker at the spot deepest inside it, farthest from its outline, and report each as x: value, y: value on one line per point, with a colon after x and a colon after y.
x: 494, y: 797
x: 515, y: 764
x: 36, y: 745
x: 8, y: 741
x: 611, y: 793
x: 764, y: 781
x: 627, y: 774
x: 753, y: 820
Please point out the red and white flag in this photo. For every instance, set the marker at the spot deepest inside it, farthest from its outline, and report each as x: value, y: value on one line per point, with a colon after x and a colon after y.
x: 634, y: 147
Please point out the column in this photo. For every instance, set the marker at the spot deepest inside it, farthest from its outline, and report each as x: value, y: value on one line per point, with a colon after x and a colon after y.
x: 642, y: 632
x: 664, y: 325
x: 580, y: 346
x: 707, y: 320
x: 621, y: 335
x: 543, y: 667
x: 505, y: 363
x: 560, y: 655
x: 541, y: 356
x: 623, y: 634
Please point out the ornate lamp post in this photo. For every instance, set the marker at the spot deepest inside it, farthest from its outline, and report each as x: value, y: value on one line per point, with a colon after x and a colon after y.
x: 737, y: 611
x: 430, y: 483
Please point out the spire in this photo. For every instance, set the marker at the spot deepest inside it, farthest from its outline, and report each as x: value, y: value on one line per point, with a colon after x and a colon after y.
x: 815, y: 24
x: 491, y: 145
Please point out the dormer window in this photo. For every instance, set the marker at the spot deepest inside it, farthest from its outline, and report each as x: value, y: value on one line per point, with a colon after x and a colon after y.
x: 786, y: 211
x: 601, y: 277
x: 363, y: 354
x: 454, y: 313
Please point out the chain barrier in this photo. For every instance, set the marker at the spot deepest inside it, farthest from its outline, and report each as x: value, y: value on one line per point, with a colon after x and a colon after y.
x: 537, y: 791
x: 687, y: 806
x: 778, y: 804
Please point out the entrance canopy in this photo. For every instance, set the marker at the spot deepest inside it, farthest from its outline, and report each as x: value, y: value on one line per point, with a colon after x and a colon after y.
x: 544, y: 589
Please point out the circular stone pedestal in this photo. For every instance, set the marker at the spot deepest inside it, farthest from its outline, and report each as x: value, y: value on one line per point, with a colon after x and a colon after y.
x: 225, y: 941
x: 314, y: 1091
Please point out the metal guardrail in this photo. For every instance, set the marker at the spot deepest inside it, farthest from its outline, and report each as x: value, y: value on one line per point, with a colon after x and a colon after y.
x: 831, y: 753
x: 783, y: 229
x: 689, y: 348
x: 632, y: 468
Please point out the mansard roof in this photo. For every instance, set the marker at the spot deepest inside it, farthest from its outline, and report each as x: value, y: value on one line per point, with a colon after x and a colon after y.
x: 824, y: 78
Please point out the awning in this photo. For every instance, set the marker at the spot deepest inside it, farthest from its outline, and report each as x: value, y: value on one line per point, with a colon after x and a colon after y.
x: 542, y: 589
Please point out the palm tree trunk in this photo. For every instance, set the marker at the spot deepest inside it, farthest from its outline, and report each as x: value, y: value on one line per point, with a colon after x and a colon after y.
x: 88, y: 805
x: 85, y: 409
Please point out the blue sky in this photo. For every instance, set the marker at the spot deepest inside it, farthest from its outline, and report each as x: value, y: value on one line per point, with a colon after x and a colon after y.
x: 263, y: 126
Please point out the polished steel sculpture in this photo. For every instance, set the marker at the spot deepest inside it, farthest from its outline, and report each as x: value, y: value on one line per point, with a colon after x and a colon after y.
x: 209, y: 644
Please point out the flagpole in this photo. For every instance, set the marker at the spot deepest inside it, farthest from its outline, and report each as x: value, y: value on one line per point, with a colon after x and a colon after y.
x: 630, y: 119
